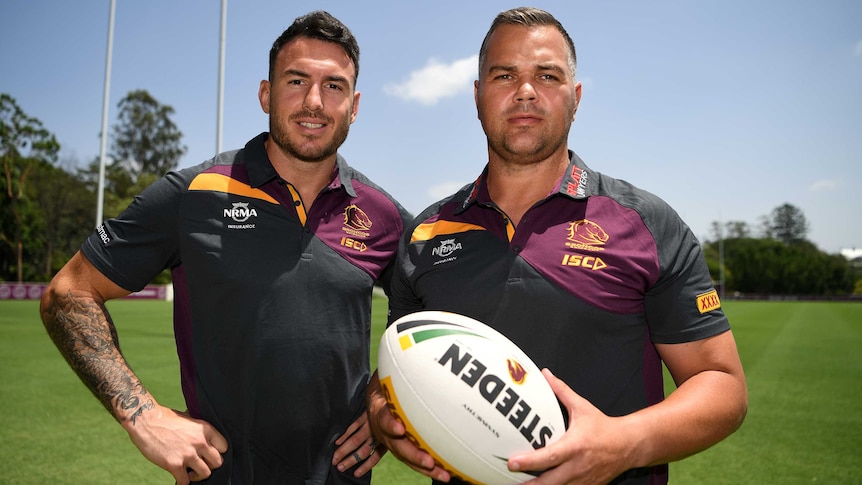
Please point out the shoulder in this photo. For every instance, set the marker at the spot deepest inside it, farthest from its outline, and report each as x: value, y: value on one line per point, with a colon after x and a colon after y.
x: 445, y: 209
x: 223, y: 163
x: 447, y: 205
x: 370, y: 193
x: 629, y: 195
x: 655, y: 213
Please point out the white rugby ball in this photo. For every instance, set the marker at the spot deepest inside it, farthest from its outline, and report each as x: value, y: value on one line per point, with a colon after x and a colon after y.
x: 466, y: 394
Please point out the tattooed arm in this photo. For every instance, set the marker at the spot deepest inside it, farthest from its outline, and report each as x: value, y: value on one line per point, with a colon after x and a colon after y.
x: 74, y: 313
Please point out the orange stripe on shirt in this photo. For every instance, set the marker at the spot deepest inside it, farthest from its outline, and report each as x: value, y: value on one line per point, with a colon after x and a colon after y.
x: 426, y: 232
x: 222, y: 183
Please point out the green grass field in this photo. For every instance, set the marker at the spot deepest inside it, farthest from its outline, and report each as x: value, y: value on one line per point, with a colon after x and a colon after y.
x: 803, y: 361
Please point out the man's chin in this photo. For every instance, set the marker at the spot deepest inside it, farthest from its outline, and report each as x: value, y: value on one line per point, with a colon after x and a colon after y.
x: 308, y: 154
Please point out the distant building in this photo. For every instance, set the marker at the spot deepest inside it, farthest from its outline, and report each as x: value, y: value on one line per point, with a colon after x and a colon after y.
x: 854, y: 256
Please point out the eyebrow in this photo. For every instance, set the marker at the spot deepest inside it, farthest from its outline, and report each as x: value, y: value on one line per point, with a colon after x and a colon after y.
x: 502, y: 68
x: 551, y: 67
x: 303, y: 74
x: 540, y: 67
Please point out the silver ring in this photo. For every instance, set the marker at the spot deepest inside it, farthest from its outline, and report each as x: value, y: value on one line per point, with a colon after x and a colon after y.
x: 356, y: 457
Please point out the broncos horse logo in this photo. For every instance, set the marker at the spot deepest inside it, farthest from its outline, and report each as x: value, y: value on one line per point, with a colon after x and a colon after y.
x: 356, y: 218
x: 587, y: 232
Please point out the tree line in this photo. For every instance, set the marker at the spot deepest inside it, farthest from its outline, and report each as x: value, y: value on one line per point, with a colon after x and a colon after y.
x: 47, y: 207
x: 775, y: 258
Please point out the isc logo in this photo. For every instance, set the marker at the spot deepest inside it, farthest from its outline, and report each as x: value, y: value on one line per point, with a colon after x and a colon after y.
x: 349, y: 242
x: 589, y: 262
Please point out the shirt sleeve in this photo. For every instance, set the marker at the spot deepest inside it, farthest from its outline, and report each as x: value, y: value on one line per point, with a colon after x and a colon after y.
x: 683, y: 304
x: 402, y: 298
x: 141, y: 242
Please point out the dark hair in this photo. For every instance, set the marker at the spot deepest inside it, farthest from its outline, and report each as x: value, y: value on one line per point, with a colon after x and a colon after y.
x: 528, y: 17
x: 319, y: 25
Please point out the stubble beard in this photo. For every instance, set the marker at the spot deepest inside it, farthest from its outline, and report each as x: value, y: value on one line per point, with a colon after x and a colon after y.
x: 306, y: 149
x: 540, y: 146
x: 513, y: 148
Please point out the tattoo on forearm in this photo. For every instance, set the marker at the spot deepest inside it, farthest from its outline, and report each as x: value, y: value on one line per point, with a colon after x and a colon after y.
x: 83, y: 332
x: 145, y: 407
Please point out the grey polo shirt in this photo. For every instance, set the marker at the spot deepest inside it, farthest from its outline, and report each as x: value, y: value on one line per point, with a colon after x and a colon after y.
x: 592, y: 277
x: 272, y: 304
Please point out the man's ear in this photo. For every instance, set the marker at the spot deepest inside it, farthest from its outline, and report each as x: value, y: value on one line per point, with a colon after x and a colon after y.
x: 263, y: 95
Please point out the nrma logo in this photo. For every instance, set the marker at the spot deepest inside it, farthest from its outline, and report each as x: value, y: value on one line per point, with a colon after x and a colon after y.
x: 240, y: 212
x: 446, y: 248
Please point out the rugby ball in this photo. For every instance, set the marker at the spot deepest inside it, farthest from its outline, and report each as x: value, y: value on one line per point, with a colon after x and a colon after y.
x: 466, y: 395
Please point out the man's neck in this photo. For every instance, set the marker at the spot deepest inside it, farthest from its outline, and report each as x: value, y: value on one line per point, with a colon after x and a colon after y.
x: 516, y: 187
x: 308, y: 178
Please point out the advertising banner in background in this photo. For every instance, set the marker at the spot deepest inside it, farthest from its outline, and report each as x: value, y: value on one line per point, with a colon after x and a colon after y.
x: 33, y: 291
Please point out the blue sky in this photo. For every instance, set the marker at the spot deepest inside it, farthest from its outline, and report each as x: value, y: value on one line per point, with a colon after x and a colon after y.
x: 725, y: 109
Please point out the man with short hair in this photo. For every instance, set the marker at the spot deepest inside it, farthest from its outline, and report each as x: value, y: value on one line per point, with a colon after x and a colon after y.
x: 596, y: 280
x: 274, y: 250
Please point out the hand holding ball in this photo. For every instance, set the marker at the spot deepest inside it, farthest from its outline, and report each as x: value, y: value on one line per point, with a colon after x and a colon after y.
x: 466, y: 394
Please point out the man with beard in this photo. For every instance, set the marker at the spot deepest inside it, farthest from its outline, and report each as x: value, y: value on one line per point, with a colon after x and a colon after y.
x: 274, y: 250
x: 596, y: 280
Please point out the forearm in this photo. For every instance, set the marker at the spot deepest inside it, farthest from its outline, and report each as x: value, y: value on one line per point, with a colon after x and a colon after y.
x: 82, y: 330
x: 705, y: 409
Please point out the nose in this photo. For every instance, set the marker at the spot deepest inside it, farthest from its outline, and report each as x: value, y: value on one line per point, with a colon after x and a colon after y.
x: 525, y: 93
x: 313, y: 101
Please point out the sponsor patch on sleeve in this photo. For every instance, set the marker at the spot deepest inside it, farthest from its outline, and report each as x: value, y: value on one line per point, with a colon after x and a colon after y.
x: 708, y: 302
x: 102, y: 231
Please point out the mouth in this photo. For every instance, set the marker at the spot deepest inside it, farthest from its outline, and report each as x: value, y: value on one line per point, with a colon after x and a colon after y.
x: 525, y: 120
x: 524, y: 115
x: 310, y: 125
x: 310, y: 120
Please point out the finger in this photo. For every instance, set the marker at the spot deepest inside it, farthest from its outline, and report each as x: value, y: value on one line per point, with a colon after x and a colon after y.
x: 390, y: 424
x: 360, y: 455
x: 549, y: 456
x: 534, y: 460
x: 212, y: 457
x: 374, y: 458
x: 198, y: 469
x: 356, y: 442
x: 181, y: 476
x: 435, y: 473
x: 216, y: 439
x: 568, y: 397
x: 411, y: 454
x: 362, y: 420
x: 542, y: 461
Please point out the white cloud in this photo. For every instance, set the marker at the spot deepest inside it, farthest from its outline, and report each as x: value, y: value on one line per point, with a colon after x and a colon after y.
x: 823, y: 185
x: 445, y: 189
x: 857, y: 50
x: 436, y: 80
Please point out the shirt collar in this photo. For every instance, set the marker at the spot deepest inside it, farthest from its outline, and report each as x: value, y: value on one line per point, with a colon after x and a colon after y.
x: 261, y: 171
x: 578, y: 182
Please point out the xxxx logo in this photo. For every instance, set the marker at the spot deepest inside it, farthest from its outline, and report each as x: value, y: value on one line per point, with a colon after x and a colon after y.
x: 708, y: 301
